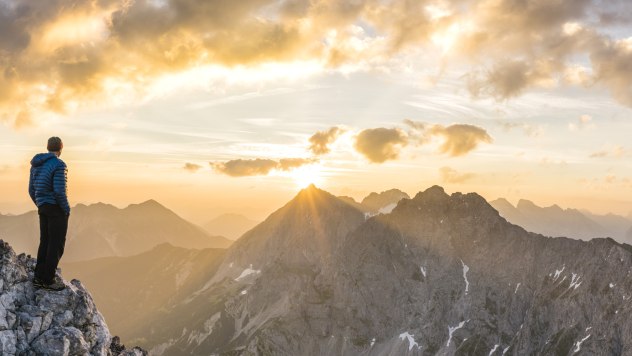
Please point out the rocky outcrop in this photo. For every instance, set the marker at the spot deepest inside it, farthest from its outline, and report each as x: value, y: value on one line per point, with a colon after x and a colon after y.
x: 40, y: 322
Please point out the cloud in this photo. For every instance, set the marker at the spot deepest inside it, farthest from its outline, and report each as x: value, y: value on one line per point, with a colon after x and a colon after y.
x: 192, y: 167
x: 583, y: 122
x: 287, y: 164
x: 449, y: 175
x: 258, y: 166
x: 381, y: 144
x: 320, y: 141
x: 616, y: 152
x: 528, y: 129
x: 57, y: 55
x: 459, y: 139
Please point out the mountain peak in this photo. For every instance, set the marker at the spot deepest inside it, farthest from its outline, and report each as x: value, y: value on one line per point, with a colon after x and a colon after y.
x: 501, y: 201
x: 311, y: 194
x: 526, y: 204
x: 384, y: 201
x: 433, y: 193
x: 148, y: 204
x: 435, y: 203
x: 311, y: 189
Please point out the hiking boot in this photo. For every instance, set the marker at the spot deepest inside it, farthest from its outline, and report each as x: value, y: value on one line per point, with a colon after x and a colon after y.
x: 57, y: 285
x: 38, y: 282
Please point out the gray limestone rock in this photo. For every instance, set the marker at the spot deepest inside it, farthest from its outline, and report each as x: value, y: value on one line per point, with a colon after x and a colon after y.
x: 40, y: 322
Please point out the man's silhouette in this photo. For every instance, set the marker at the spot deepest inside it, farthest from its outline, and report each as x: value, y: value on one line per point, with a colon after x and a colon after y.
x: 48, y: 189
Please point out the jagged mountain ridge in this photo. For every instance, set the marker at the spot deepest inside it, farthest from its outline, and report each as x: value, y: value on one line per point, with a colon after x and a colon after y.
x: 439, y: 275
x: 101, y: 230
x: 555, y: 221
x: 40, y: 322
x: 376, y: 203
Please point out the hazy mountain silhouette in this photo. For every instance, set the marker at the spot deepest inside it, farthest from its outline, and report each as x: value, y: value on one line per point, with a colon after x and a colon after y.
x: 555, y: 221
x: 135, y: 292
x: 101, y: 230
x: 231, y: 226
x: 440, y: 275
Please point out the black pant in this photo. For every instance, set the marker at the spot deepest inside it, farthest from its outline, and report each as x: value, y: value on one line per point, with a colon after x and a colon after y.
x: 53, y: 227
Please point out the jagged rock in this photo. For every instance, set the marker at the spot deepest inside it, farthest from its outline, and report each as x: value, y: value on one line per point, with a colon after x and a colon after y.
x: 40, y: 322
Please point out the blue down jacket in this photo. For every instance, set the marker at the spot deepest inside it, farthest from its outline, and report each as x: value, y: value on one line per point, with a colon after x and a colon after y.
x: 47, y: 183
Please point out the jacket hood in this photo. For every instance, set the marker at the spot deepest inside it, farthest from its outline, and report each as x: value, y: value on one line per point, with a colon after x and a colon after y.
x: 40, y: 158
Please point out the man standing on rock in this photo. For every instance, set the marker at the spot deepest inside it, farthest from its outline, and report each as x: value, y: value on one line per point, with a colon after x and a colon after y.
x: 48, y: 190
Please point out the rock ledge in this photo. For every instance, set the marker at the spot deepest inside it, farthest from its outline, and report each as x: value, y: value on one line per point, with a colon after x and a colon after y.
x: 36, y: 321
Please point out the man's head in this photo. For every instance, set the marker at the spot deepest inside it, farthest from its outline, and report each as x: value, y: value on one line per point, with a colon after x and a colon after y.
x: 55, y: 145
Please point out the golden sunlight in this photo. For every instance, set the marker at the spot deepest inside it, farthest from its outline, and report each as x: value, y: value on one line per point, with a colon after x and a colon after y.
x: 74, y: 29
x: 306, y: 175
x: 447, y: 38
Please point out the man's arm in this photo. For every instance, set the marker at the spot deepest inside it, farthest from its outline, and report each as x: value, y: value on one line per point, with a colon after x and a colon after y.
x: 60, y: 187
x: 32, y: 185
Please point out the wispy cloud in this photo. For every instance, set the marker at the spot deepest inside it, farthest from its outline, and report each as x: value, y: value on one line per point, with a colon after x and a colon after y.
x: 450, y: 175
x: 528, y: 129
x: 582, y: 123
x: 616, y: 152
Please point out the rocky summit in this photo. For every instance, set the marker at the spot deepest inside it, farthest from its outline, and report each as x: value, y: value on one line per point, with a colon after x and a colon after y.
x: 41, y: 322
x: 438, y: 275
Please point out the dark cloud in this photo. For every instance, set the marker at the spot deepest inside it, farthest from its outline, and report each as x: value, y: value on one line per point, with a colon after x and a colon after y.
x: 381, y: 144
x: 320, y: 141
x: 258, y: 166
x: 612, y: 65
x: 459, y: 139
x: 450, y: 175
x: 288, y: 164
x: 59, y: 51
x: 192, y: 167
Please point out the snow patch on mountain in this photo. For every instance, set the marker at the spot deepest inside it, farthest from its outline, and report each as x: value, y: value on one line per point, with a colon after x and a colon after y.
x: 452, y: 329
x: 247, y: 272
x: 465, y: 270
x: 411, y: 340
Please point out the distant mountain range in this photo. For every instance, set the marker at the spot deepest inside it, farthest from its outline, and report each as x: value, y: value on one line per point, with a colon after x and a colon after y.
x: 230, y: 225
x: 438, y: 275
x: 555, y: 221
x: 136, y: 293
x: 101, y: 230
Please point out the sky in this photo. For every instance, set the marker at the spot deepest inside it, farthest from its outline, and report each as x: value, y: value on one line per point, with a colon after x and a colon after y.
x: 224, y: 106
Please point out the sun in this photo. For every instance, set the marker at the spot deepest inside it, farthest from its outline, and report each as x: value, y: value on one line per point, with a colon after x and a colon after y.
x: 306, y: 175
